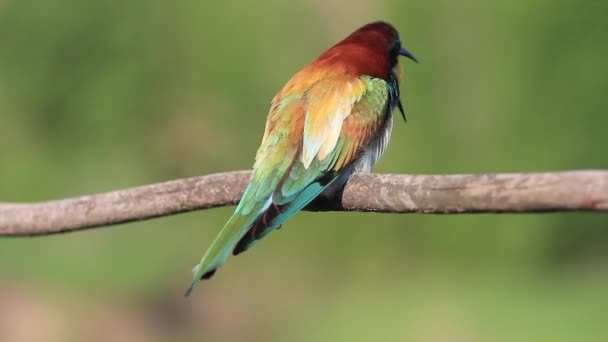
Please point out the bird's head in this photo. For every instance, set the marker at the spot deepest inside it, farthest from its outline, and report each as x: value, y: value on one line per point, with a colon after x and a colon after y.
x: 383, y: 38
x: 373, y: 50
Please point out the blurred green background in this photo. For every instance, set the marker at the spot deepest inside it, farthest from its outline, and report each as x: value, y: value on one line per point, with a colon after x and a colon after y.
x: 102, y: 95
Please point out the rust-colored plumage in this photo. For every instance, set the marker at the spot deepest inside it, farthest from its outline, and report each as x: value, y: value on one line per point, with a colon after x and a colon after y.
x: 332, y: 118
x: 366, y: 51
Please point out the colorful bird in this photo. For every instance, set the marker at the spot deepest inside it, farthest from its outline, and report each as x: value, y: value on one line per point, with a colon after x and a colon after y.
x: 332, y: 119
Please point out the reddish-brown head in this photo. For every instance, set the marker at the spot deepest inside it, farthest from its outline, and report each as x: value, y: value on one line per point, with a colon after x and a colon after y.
x: 372, y: 50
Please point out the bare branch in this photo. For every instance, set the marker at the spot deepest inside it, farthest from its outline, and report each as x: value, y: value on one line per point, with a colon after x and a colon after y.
x: 484, y: 193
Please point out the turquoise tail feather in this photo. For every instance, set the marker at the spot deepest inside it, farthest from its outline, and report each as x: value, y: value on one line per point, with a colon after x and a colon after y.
x: 224, y: 244
x: 242, y: 232
x: 281, y: 208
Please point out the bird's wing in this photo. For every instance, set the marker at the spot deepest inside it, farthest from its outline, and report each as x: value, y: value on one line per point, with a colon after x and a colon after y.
x: 309, y: 140
x: 314, y: 131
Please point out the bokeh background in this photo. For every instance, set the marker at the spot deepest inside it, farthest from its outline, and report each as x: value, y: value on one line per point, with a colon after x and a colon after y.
x: 101, y: 95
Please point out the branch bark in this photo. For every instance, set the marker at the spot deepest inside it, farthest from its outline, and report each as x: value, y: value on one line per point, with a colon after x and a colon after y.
x: 387, y: 193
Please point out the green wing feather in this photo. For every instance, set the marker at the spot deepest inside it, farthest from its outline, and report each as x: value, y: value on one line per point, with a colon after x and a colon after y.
x: 314, y: 132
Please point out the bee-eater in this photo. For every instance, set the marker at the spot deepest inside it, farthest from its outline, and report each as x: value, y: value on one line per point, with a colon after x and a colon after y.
x: 332, y: 119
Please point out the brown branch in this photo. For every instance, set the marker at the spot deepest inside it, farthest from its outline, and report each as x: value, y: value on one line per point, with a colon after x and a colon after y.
x: 484, y: 193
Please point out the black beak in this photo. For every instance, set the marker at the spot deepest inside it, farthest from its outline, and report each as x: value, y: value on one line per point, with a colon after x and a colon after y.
x: 404, y: 52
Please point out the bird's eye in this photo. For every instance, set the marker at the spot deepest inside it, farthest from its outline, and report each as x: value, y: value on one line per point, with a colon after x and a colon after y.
x: 396, y: 47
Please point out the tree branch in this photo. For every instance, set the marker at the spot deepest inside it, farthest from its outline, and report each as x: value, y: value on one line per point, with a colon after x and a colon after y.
x: 484, y: 193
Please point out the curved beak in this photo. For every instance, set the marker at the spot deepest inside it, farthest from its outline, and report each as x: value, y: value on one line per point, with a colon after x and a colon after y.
x: 404, y: 52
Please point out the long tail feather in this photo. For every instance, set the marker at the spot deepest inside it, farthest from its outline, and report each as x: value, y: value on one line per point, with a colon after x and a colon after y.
x: 220, y: 249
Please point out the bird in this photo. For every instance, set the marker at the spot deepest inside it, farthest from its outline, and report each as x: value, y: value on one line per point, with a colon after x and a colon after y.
x: 332, y: 119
